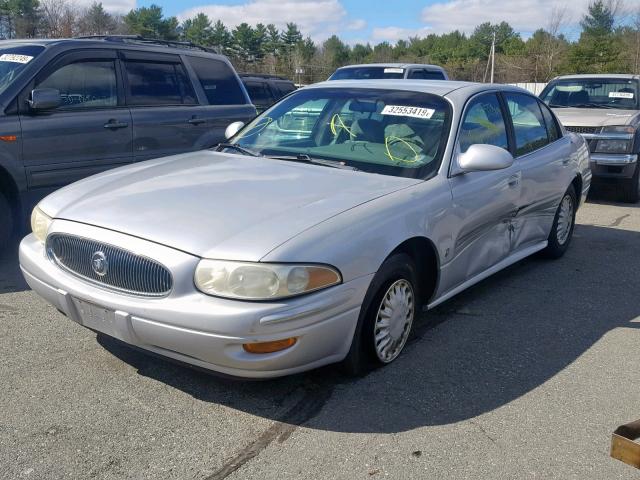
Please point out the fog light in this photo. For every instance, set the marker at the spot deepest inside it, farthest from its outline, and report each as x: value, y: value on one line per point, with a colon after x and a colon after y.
x: 269, y: 347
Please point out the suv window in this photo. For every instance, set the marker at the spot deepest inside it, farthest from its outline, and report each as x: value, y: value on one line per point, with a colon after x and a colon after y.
x: 424, y: 74
x: 259, y: 93
x: 484, y: 123
x: 285, y: 88
x: 152, y: 83
x: 218, y: 82
x: 528, y: 125
x: 553, y: 130
x: 85, y: 84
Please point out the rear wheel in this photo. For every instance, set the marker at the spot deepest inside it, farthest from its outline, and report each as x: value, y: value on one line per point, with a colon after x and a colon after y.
x: 6, y: 222
x: 386, y: 316
x: 563, y: 223
x: 631, y: 188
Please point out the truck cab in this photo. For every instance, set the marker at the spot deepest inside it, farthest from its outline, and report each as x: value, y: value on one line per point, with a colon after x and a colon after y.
x: 605, y: 110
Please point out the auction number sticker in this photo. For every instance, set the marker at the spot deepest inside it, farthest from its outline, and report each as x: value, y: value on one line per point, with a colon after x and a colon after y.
x: 15, y: 58
x: 620, y: 95
x: 393, y: 70
x: 402, y: 111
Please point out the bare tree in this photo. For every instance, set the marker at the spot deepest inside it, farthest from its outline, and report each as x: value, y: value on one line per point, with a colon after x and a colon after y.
x: 59, y: 18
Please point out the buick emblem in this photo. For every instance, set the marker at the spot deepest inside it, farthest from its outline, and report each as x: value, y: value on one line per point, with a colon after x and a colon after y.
x: 100, y: 264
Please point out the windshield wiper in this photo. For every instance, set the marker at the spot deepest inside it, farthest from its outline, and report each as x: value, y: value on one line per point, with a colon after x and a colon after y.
x: 303, y: 157
x: 239, y: 148
x: 592, y: 105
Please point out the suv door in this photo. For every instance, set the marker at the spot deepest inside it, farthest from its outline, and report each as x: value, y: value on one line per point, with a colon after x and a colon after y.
x: 88, y: 133
x: 167, y: 118
x: 484, y: 202
x: 543, y: 156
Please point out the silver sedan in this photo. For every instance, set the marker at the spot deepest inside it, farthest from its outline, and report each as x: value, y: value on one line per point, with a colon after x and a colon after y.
x: 318, y: 231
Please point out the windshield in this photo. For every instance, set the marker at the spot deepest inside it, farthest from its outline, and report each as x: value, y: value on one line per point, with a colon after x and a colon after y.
x: 13, y: 59
x: 367, y: 73
x: 391, y: 132
x: 592, y: 93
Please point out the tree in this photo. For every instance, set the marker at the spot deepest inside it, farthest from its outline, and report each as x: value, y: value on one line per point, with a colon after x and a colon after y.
x: 335, y: 52
x: 220, y: 37
x: 149, y: 22
x: 96, y: 21
x: 482, y: 37
x: 198, y: 30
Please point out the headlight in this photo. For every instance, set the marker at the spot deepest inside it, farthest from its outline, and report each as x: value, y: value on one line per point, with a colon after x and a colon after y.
x: 40, y: 222
x: 262, y: 281
x: 624, y: 144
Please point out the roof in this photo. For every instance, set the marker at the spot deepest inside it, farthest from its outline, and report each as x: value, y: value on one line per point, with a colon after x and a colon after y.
x: 623, y: 76
x: 436, y: 87
x: 394, y: 65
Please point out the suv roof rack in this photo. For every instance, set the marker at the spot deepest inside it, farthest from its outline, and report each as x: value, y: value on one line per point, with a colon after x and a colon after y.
x: 140, y: 40
x: 263, y: 75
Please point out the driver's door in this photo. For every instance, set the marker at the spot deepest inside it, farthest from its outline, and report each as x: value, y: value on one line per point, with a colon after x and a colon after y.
x: 89, y: 132
x: 483, y: 202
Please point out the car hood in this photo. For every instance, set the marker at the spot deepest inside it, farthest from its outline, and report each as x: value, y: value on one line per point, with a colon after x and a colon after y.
x: 217, y: 205
x: 594, y: 117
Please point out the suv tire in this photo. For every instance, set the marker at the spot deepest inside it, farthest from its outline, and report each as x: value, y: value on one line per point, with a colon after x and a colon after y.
x: 6, y: 222
x: 631, y: 188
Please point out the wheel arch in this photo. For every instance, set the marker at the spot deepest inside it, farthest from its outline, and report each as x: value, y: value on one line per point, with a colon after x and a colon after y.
x: 9, y: 189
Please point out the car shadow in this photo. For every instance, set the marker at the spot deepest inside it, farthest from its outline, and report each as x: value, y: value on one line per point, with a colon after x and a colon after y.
x: 477, y: 352
x: 11, y: 279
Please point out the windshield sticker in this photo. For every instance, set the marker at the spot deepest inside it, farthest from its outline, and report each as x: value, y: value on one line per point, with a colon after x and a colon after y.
x: 393, y: 70
x: 15, y: 58
x: 620, y: 95
x: 402, y: 111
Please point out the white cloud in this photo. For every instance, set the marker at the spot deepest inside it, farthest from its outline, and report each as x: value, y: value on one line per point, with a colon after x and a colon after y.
x: 111, y: 6
x: 393, y: 34
x: 319, y: 19
x: 358, y: 24
x: 522, y: 15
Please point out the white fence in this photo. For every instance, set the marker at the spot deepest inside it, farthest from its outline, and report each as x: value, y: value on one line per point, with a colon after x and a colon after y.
x: 535, y: 88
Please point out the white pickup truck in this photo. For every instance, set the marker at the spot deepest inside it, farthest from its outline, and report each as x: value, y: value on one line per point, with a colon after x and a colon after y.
x: 605, y: 109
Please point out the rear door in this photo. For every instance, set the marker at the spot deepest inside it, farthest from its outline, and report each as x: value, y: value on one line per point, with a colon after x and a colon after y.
x: 90, y: 131
x: 167, y: 118
x: 544, y: 157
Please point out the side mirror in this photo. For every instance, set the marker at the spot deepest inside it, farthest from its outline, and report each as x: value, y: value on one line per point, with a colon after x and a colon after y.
x: 44, y: 99
x: 482, y: 157
x: 232, y: 129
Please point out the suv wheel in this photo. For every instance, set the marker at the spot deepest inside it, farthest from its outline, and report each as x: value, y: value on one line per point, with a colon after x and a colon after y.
x: 631, y: 188
x: 6, y: 222
x: 386, y: 316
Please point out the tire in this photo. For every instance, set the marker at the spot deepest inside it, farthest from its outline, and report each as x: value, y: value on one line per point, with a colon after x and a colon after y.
x: 6, y: 222
x: 559, y: 237
x: 631, y: 188
x: 395, y: 281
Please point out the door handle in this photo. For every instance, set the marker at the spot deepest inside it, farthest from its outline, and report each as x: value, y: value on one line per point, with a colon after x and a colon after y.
x: 113, y: 123
x: 514, y: 180
x: 196, y: 121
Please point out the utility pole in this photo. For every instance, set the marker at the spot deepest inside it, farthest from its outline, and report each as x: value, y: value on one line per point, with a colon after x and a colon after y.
x: 493, y: 55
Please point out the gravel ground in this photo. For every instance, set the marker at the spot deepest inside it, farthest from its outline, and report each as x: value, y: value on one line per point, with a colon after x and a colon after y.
x: 523, y: 376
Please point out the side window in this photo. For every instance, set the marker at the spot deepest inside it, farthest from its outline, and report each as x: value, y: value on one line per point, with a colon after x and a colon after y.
x: 528, y: 124
x: 218, y: 81
x: 553, y: 130
x: 259, y: 93
x: 87, y: 84
x: 483, y: 123
x: 285, y: 88
x: 423, y: 74
x: 152, y: 83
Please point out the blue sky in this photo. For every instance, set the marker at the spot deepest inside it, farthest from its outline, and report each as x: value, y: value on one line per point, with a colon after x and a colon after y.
x: 375, y: 21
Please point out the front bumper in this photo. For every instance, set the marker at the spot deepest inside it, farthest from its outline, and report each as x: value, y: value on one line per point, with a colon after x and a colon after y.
x: 613, y: 166
x: 198, y: 329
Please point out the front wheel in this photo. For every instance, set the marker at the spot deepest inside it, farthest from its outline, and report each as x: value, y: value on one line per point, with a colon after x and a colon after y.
x: 631, y: 188
x: 6, y: 222
x: 386, y: 316
x: 563, y: 223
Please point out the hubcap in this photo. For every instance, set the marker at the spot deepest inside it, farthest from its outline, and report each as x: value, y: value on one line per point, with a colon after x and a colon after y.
x: 393, y: 321
x: 565, y: 219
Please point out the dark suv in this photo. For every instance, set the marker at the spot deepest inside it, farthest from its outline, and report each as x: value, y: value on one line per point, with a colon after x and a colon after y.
x: 265, y: 90
x: 71, y: 108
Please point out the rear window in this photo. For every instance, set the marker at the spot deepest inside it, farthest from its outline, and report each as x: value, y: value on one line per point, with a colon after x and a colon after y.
x: 218, y: 81
x: 285, y: 88
x: 367, y: 73
x: 151, y: 83
x: 258, y: 93
x: 424, y: 74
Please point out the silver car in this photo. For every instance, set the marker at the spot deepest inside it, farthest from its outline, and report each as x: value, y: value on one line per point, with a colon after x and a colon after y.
x: 303, y: 243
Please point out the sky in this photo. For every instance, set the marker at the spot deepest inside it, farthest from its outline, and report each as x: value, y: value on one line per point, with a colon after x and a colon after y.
x: 374, y: 20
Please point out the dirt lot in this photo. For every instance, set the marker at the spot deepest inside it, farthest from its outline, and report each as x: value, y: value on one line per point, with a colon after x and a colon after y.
x: 523, y: 376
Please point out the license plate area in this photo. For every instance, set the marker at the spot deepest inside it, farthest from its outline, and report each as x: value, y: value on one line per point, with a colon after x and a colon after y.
x: 96, y: 317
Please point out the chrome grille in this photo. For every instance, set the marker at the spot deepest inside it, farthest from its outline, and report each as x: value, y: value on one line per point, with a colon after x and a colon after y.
x: 577, y: 129
x: 126, y: 271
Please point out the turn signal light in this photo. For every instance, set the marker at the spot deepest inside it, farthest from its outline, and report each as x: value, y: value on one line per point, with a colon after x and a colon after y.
x: 269, y: 347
